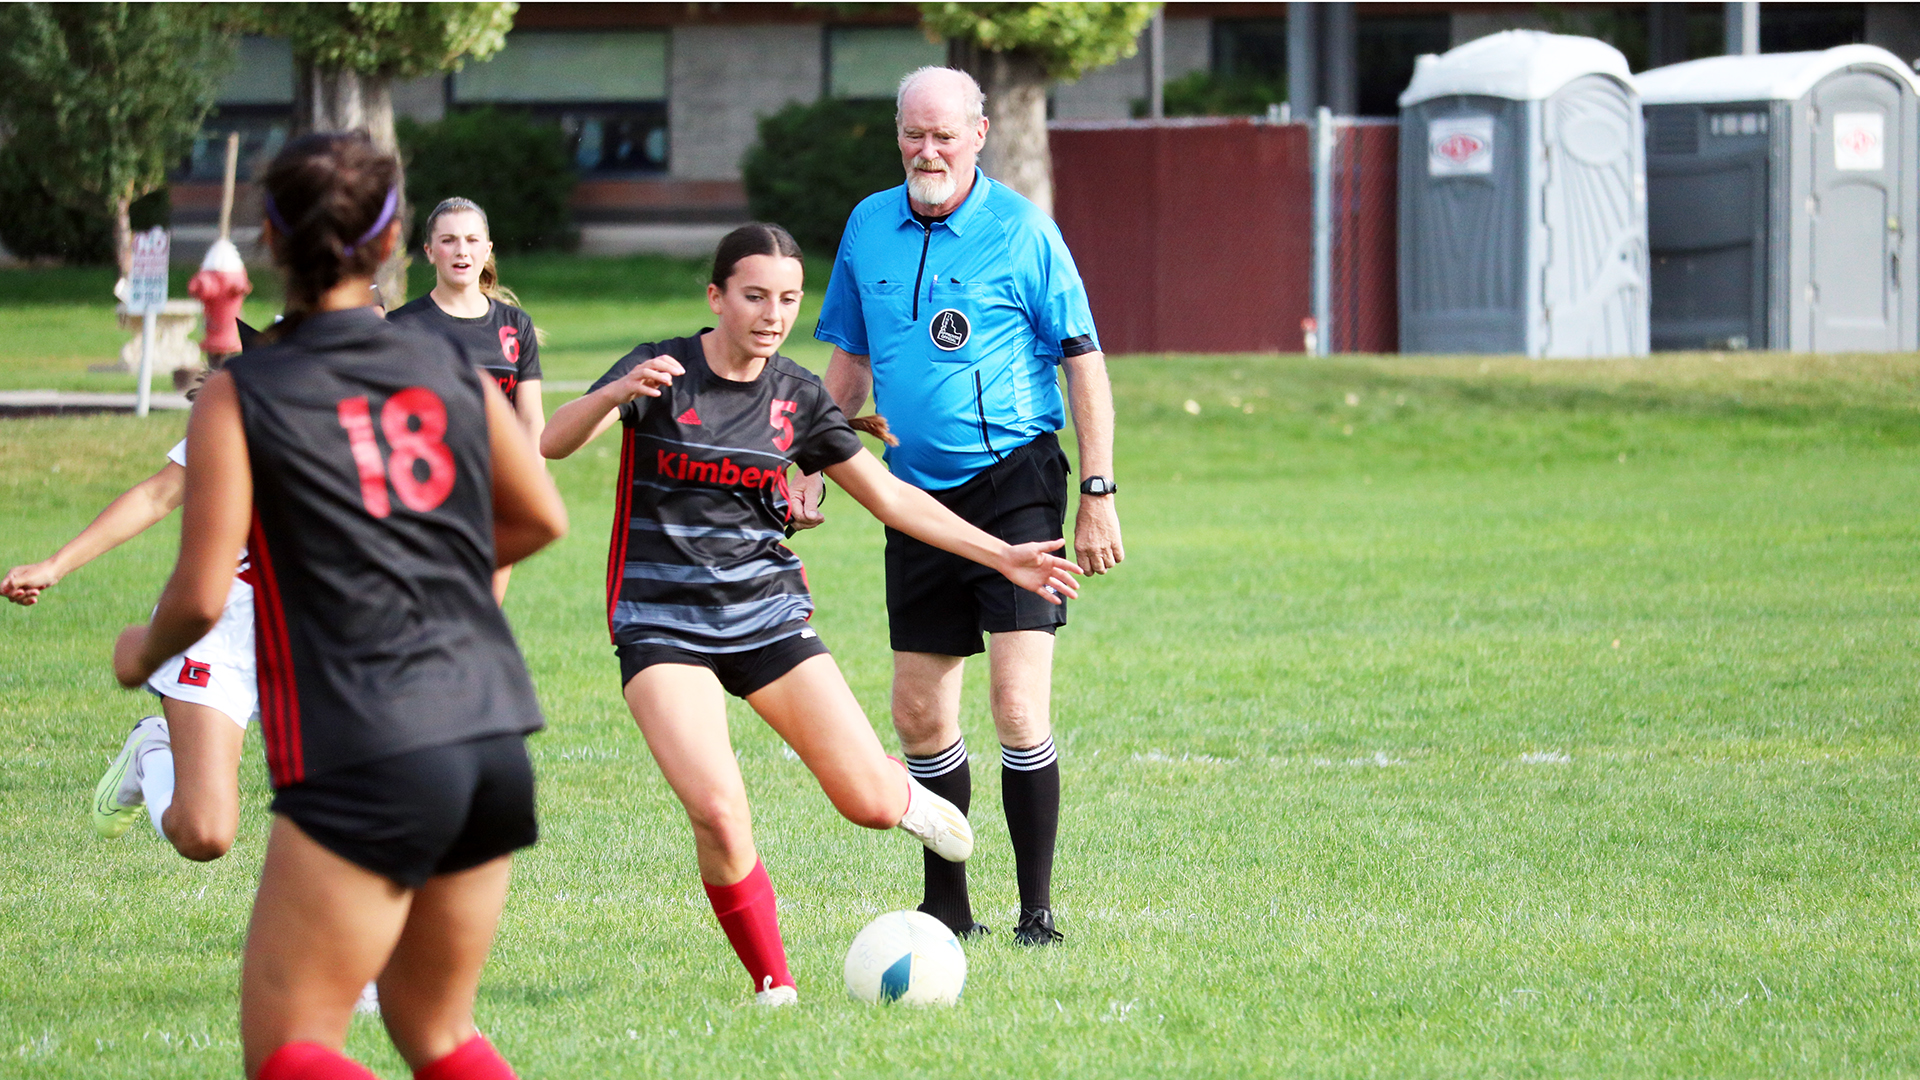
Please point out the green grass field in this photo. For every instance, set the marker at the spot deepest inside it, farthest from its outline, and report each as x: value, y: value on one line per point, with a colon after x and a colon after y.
x: 1449, y: 718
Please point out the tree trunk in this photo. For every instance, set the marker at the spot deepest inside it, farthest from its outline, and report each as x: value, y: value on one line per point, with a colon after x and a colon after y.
x: 123, y: 234
x: 1017, y: 152
x: 327, y: 99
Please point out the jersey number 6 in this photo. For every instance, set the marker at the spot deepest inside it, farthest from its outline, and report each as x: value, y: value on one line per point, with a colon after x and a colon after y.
x: 414, y: 421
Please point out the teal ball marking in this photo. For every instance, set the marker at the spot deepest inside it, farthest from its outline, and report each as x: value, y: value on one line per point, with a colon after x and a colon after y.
x: 893, y: 981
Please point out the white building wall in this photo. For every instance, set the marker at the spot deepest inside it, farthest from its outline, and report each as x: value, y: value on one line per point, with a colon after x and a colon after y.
x: 1108, y: 93
x: 722, y: 80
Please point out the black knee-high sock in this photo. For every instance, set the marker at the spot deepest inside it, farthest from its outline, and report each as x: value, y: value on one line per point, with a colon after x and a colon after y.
x: 1030, y: 788
x: 946, y: 775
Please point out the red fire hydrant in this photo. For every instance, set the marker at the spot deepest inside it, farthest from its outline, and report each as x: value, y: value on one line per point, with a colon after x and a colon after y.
x: 220, y: 286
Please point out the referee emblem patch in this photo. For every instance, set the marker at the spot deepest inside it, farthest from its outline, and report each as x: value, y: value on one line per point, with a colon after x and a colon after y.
x: 949, y: 330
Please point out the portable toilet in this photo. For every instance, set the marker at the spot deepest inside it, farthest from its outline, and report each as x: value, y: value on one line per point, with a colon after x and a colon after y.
x: 1522, y: 200
x: 1781, y: 202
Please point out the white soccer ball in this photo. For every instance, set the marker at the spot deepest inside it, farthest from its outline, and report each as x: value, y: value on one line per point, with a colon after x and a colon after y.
x: 909, y: 957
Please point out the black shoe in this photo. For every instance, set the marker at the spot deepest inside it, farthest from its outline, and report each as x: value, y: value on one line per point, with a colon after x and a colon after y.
x: 1036, y: 928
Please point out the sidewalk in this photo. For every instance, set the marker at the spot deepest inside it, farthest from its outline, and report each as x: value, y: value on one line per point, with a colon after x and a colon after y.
x: 54, y: 402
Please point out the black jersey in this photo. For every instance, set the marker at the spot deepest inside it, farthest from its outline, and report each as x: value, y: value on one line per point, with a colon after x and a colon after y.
x: 372, y: 545
x: 501, y: 342
x: 701, y: 509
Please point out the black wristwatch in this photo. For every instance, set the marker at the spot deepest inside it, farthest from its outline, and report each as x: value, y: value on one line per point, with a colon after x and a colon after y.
x: 1098, y: 485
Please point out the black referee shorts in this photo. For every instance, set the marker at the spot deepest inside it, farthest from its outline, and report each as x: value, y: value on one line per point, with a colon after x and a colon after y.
x: 938, y: 602
x: 421, y: 814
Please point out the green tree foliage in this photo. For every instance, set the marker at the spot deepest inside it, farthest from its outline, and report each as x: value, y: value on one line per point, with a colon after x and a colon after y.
x: 35, y: 225
x: 516, y: 168
x: 814, y: 163
x: 394, y: 40
x: 108, y: 96
x: 1067, y: 39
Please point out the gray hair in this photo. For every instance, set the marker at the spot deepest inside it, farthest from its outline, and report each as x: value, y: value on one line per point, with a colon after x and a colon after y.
x: 975, y: 101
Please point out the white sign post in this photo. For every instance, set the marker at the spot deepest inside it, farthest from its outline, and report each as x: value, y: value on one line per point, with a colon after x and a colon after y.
x: 146, y: 295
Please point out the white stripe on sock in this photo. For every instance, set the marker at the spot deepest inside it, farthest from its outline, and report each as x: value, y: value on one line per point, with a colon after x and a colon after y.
x: 1032, y: 759
x: 940, y: 764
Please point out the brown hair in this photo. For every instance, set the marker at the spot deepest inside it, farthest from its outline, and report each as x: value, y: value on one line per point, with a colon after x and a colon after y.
x: 325, y: 193
x: 753, y: 238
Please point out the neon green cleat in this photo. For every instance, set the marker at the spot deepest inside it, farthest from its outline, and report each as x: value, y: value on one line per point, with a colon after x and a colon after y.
x: 116, y: 798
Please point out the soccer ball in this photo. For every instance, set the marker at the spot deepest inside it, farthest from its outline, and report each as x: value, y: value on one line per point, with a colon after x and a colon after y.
x: 906, y: 956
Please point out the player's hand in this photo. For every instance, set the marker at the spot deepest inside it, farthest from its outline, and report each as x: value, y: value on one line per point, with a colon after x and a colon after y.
x: 1031, y: 567
x: 24, y: 584
x: 1096, y: 535
x: 128, y: 666
x: 645, y: 380
x: 804, y: 496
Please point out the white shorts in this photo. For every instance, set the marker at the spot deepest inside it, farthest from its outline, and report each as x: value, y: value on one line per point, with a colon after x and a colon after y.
x: 217, y: 671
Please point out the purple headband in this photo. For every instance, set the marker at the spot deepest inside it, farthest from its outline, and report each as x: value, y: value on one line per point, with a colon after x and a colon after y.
x: 386, y: 215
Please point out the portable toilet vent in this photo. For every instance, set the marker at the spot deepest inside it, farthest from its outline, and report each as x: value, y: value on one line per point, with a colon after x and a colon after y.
x: 1522, y: 200
x: 1780, y: 202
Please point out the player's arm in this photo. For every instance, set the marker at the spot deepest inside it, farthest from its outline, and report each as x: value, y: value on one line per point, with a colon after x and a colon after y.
x: 1096, y: 525
x: 849, y: 379
x: 531, y: 412
x: 135, y: 511
x: 902, y: 506
x: 217, y: 508
x: 527, y: 511
x: 581, y: 420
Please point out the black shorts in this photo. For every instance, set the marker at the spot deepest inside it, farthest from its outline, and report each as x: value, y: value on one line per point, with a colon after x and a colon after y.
x: 740, y: 673
x: 938, y: 602
x: 421, y: 814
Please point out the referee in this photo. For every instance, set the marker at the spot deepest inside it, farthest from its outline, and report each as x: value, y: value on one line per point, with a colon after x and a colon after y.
x: 953, y: 300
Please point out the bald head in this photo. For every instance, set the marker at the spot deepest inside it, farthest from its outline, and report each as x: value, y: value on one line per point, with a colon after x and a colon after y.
x: 942, y: 126
x: 941, y: 87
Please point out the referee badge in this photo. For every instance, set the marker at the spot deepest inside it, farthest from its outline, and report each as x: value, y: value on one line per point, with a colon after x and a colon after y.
x: 949, y: 330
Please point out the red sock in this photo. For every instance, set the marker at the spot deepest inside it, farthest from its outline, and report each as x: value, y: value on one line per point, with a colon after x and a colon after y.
x: 745, y: 910
x: 475, y: 1059
x: 310, y: 1061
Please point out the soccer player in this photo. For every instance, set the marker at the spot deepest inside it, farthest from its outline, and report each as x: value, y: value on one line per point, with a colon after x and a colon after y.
x: 469, y: 305
x: 376, y: 480
x: 183, y: 764
x: 704, y: 600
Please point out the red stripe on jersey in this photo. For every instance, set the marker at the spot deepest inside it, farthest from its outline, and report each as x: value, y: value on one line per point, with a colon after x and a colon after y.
x: 622, y: 527
x: 279, y: 696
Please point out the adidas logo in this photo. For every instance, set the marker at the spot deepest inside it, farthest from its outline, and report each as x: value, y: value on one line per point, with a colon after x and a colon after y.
x: 688, y: 417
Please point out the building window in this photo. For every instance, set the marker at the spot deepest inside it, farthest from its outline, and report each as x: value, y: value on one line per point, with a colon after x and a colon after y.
x: 1384, y: 51
x: 1251, y: 50
x: 256, y: 100
x: 869, y: 61
x: 607, y: 91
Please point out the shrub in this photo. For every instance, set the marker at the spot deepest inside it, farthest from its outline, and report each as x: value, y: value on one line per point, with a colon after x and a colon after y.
x: 36, y: 226
x: 813, y: 163
x: 1202, y: 93
x: 517, y: 168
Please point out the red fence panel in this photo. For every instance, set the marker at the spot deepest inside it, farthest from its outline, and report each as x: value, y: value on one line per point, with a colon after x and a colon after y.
x: 1197, y: 235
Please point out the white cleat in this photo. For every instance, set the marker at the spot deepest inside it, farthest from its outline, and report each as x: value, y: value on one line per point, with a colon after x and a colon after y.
x: 936, y: 823
x: 775, y: 996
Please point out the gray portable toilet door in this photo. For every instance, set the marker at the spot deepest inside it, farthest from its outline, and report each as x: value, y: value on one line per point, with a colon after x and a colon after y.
x: 1858, y: 148
x: 1595, y: 278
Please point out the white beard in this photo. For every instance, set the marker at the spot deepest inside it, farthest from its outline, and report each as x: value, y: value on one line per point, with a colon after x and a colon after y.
x: 931, y: 188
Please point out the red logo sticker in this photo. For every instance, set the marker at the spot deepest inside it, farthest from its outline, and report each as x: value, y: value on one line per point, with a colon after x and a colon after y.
x: 1459, y: 147
x: 194, y: 673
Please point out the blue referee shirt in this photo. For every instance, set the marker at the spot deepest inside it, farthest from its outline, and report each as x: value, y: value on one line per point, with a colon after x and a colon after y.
x: 965, y: 323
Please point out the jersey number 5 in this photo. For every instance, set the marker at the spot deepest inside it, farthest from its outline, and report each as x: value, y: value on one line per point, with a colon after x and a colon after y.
x: 777, y: 416
x: 414, y: 422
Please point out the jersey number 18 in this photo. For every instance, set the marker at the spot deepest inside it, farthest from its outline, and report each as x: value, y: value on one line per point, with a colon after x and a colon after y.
x: 414, y: 422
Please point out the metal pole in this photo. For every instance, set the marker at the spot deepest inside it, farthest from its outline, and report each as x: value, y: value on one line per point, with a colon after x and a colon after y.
x: 144, y: 390
x: 1743, y: 28
x: 1323, y: 138
x: 1157, y: 66
x: 1303, y: 58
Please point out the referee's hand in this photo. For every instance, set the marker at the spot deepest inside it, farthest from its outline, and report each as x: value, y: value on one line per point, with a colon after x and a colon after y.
x: 1096, y: 535
x: 803, y: 500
